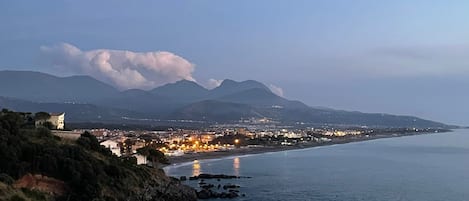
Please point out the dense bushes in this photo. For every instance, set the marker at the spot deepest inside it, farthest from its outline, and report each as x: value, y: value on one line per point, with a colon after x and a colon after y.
x: 90, y: 171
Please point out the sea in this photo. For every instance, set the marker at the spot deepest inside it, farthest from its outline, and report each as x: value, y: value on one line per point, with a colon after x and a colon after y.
x: 428, y: 167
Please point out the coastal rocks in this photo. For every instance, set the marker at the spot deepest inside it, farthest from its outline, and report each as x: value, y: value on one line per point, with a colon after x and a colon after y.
x: 208, y: 190
x: 165, y: 191
x: 215, y: 176
x: 227, y: 186
x: 208, y: 186
x: 207, y: 194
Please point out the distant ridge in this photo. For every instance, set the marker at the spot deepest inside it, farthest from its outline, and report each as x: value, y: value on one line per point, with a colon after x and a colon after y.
x: 42, y: 87
x: 84, y: 98
x: 228, y: 87
x: 183, y: 91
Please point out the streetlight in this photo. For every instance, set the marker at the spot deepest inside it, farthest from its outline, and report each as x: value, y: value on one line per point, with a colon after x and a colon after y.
x: 236, y: 142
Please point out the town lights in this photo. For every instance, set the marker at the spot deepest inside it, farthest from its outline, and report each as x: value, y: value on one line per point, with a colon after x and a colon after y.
x: 236, y: 143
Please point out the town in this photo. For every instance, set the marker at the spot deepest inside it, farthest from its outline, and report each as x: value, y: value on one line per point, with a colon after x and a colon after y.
x: 225, y: 139
x: 184, y: 143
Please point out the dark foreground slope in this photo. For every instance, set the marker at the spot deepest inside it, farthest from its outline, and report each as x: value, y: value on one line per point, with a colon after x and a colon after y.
x: 35, y: 165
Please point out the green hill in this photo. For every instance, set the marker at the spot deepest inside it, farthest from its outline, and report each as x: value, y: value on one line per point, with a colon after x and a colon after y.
x: 35, y: 165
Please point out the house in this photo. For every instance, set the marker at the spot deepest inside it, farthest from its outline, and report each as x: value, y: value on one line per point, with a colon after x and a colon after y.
x: 113, y: 146
x: 56, y: 119
x: 141, y: 159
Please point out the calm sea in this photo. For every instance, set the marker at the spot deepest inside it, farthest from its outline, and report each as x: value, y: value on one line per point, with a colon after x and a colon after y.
x: 414, y: 168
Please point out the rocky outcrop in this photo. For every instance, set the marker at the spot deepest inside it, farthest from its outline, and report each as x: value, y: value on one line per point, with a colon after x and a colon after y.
x: 165, y: 190
x: 41, y: 183
x: 207, y: 194
x: 215, y: 176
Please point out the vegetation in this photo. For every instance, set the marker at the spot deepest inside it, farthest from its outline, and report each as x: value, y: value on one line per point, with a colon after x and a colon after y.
x: 153, y: 155
x: 89, y: 171
x: 42, y: 116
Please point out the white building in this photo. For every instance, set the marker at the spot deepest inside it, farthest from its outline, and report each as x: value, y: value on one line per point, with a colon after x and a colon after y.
x: 141, y: 159
x: 56, y: 119
x: 113, y: 146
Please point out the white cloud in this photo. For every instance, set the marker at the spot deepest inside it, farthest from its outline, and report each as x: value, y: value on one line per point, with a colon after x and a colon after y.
x: 213, y: 83
x: 121, y: 68
x: 276, y: 90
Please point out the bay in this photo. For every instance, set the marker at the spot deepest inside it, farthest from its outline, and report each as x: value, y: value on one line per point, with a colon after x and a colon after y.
x: 430, y: 167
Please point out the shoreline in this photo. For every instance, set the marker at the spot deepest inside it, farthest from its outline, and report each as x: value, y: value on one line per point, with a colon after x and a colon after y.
x: 244, y: 151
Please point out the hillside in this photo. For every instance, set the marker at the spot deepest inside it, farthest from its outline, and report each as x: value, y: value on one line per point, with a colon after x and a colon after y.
x: 75, y: 112
x: 182, y: 91
x: 140, y: 101
x: 41, y: 87
x: 215, y: 111
x: 35, y: 165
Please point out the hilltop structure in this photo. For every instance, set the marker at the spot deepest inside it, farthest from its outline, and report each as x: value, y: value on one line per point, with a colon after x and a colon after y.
x: 57, y: 120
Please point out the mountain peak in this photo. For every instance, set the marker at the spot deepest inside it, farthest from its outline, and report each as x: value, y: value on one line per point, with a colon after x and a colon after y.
x: 185, y: 82
x: 228, y: 82
x: 246, y: 83
x: 182, y: 89
x: 52, y: 88
x: 230, y: 86
x: 179, y: 85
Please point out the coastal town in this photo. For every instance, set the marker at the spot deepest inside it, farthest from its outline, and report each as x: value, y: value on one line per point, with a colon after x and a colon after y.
x: 246, y: 137
x: 181, y: 145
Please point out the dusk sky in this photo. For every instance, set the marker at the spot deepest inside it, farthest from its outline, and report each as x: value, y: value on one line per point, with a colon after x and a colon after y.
x: 399, y: 57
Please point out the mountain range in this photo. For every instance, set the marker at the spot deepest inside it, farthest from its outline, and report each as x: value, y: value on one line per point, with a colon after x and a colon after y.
x: 84, y: 98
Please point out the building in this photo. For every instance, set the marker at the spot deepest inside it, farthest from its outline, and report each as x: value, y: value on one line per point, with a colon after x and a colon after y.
x: 113, y: 146
x: 141, y: 159
x: 57, y: 120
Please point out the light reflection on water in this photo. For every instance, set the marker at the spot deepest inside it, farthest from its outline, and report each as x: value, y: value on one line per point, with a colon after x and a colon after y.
x: 196, y: 168
x: 236, y: 166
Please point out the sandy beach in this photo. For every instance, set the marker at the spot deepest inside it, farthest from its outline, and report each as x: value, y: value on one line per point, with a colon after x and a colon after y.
x: 258, y: 150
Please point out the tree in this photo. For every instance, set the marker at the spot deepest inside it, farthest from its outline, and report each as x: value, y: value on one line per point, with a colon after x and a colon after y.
x: 41, y: 116
x: 154, y: 155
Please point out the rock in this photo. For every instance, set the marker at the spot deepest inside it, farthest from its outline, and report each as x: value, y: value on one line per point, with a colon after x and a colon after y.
x: 227, y: 186
x: 183, y: 178
x: 216, y: 176
x: 204, y: 194
x: 223, y: 195
x: 232, y: 195
x: 207, y: 186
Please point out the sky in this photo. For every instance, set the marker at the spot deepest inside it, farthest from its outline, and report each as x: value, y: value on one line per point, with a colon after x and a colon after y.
x: 399, y: 57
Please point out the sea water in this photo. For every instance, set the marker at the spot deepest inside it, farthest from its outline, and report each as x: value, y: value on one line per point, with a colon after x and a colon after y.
x: 429, y: 167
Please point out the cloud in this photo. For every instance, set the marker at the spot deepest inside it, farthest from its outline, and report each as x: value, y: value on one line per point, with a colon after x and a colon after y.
x: 276, y: 90
x: 121, y: 68
x: 213, y: 83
